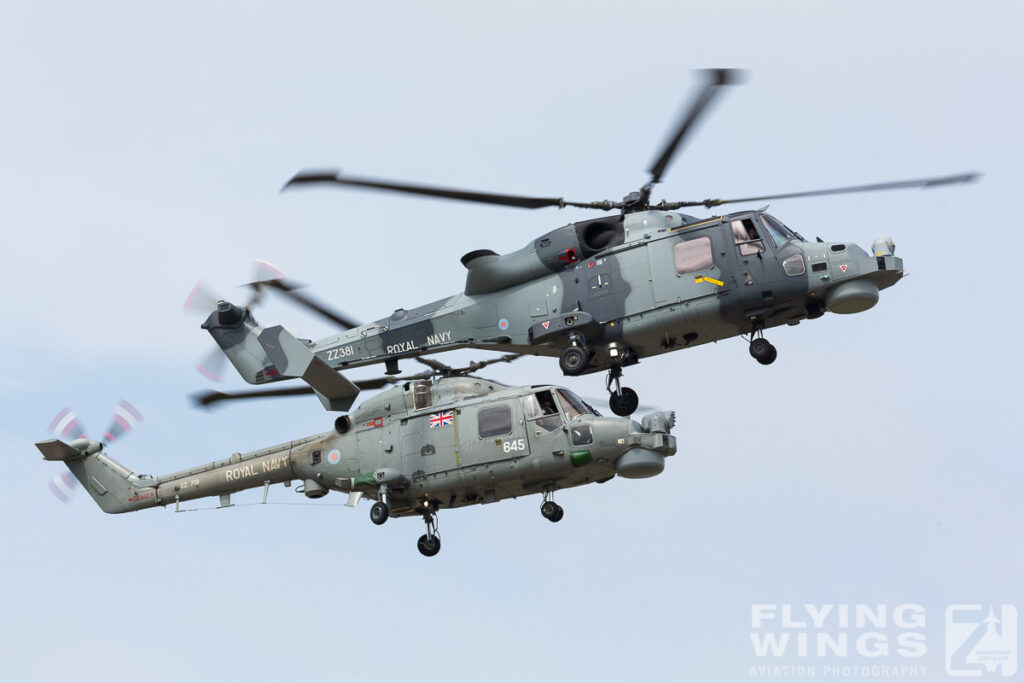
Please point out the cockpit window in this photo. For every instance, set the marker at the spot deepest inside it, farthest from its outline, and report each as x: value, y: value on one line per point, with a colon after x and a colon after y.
x: 779, y: 232
x: 572, y: 405
x: 541, y: 408
x: 745, y: 236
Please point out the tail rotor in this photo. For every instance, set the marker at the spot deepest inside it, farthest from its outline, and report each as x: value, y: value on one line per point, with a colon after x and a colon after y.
x: 68, y: 427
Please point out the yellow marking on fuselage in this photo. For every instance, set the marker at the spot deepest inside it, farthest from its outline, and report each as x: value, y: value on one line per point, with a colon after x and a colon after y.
x: 694, y: 225
x: 711, y: 280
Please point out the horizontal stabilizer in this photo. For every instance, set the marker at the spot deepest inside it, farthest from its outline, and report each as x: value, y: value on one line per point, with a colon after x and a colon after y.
x: 55, y: 449
x: 292, y: 358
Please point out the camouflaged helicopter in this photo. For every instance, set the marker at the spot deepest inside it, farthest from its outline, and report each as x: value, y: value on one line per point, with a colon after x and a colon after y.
x: 429, y: 442
x: 599, y: 294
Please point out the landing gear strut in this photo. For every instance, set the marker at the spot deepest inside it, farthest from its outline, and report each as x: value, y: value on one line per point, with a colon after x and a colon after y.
x: 549, y: 509
x: 761, y: 349
x: 429, y: 543
x: 623, y: 400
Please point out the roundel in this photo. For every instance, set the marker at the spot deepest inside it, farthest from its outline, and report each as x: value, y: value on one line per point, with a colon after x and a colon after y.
x: 334, y: 457
x: 503, y: 324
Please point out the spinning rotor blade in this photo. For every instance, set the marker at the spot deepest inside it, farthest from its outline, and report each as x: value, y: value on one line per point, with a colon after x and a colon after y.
x: 291, y: 290
x: 126, y: 417
x: 334, y: 177
x: 66, y: 425
x: 208, y: 398
x: 479, y: 364
x: 896, y: 185
x: 63, y: 486
x: 715, y: 79
x: 212, y: 364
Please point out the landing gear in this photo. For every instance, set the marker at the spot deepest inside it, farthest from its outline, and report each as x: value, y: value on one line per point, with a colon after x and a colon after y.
x: 380, y: 511
x: 623, y: 400
x: 429, y: 543
x: 551, y: 510
x: 574, y: 357
x: 761, y: 349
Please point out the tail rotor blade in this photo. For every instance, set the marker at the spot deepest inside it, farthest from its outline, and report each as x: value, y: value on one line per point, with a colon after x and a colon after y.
x: 126, y: 417
x: 63, y: 486
x: 67, y: 425
x: 201, y: 300
x: 211, y: 365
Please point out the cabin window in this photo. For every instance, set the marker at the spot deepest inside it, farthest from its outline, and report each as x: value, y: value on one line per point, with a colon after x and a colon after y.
x: 745, y: 236
x: 420, y: 395
x: 693, y: 255
x: 494, y: 421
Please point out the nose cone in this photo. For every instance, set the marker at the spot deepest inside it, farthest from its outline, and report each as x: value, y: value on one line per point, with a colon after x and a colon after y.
x: 852, y: 297
x: 640, y: 463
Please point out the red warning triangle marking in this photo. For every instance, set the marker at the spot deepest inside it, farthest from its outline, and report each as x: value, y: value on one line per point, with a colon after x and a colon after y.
x: 843, y: 267
x: 545, y: 324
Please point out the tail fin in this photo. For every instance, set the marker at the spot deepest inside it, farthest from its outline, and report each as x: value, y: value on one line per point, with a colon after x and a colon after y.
x: 270, y: 354
x: 113, y: 486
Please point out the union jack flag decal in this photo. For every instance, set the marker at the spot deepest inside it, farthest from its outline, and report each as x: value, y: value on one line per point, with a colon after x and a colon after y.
x: 443, y: 419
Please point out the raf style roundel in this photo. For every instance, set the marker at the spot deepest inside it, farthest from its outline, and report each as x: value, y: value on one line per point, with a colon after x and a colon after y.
x: 334, y: 457
x: 503, y: 324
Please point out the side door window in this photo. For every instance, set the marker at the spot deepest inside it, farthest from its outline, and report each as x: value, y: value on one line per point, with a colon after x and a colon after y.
x: 542, y: 411
x: 746, y: 238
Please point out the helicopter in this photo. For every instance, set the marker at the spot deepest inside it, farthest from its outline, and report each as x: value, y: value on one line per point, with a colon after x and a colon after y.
x: 599, y: 294
x: 447, y: 441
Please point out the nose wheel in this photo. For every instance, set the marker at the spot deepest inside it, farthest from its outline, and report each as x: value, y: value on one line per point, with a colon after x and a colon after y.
x: 623, y: 401
x: 762, y: 350
x: 551, y: 510
x: 575, y: 356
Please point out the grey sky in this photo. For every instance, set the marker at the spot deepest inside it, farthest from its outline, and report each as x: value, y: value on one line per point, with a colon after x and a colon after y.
x: 875, y: 462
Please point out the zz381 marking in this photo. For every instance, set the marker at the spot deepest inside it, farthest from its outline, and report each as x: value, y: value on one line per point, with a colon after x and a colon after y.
x: 340, y: 352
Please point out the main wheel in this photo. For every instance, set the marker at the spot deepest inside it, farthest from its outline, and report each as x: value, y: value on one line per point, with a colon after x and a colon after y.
x: 624, y: 403
x: 379, y: 513
x: 573, y: 360
x: 770, y: 358
x: 559, y: 513
x: 429, y: 545
x: 549, y: 509
x: 760, y: 349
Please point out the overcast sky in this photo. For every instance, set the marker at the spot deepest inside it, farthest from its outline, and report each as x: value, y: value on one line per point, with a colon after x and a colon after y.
x: 877, y: 461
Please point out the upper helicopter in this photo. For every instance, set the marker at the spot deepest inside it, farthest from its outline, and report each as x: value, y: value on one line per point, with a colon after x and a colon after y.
x: 600, y: 294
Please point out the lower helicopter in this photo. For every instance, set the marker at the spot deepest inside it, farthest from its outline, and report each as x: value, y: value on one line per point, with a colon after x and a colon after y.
x: 443, y: 441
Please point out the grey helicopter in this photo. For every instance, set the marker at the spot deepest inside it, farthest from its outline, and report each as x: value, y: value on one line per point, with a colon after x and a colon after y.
x: 435, y: 440
x: 599, y: 294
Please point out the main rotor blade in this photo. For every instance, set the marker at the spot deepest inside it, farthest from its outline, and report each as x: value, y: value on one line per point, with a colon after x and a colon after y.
x: 333, y: 177
x: 479, y: 364
x: 291, y: 290
x: 206, y: 399
x: 896, y: 185
x: 442, y: 368
x: 715, y: 79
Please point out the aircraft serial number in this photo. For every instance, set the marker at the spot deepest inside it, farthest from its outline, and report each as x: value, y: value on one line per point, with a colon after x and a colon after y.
x: 340, y: 352
x: 514, y: 445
